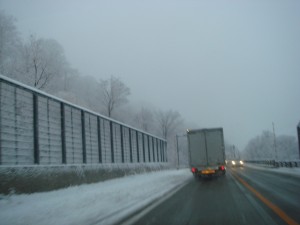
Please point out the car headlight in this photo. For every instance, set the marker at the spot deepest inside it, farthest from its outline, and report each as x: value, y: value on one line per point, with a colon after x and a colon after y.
x: 241, y: 162
x: 233, y: 162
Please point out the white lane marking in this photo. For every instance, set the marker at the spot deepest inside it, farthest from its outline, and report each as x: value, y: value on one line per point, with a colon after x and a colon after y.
x: 147, y: 209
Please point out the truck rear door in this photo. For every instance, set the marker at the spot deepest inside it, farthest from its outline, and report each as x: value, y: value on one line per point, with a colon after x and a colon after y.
x: 198, y: 154
x: 215, y: 147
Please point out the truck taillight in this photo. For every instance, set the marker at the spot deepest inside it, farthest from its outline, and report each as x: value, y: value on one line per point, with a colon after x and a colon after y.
x: 222, y: 167
x: 194, y: 170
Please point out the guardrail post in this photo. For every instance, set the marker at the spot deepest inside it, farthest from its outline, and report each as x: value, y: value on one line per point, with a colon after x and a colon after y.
x: 149, y: 154
x: 166, y: 153
x: 143, y: 141
x: 83, y: 136
x: 157, y: 151
x: 63, y: 133
x: 163, y: 150
x: 112, y: 141
x: 160, y: 150
x: 298, y: 131
x: 130, y: 145
x: 137, y: 146
x: 153, y: 149
x: 36, y: 129
x: 122, y: 144
x: 0, y: 121
x: 99, y: 139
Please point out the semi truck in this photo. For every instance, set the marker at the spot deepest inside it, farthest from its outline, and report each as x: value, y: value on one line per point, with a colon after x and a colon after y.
x: 206, y: 152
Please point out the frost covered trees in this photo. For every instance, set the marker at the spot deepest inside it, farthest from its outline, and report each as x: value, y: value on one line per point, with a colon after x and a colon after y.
x: 10, y: 44
x: 41, y: 63
x: 167, y: 122
x: 268, y: 147
x: 36, y: 62
x: 113, y: 93
x: 43, y: 60
x: 145, y: 119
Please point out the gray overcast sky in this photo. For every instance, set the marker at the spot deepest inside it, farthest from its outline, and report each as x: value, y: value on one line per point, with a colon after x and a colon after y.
x: 234, y: 64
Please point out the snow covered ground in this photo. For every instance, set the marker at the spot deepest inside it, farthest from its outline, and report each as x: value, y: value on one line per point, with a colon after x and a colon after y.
x: 101, y: 203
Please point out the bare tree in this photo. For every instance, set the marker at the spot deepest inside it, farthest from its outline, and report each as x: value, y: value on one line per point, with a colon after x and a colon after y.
x: 168, y: 121
x: 145, y: 119
x: 43, y: 59
x: 169, y: 124
x: 113, y: 94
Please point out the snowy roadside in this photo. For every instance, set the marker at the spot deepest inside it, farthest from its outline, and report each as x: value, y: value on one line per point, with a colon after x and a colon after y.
x: 283, y: 170
x: 101, y: 203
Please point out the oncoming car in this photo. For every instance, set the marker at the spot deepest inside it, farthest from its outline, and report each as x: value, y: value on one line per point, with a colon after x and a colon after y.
x: 235, y: 163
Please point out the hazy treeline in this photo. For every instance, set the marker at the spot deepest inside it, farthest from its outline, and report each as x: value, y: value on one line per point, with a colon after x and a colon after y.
x: 41, y: 63
x: 266, y: 146
x: 269, y: 147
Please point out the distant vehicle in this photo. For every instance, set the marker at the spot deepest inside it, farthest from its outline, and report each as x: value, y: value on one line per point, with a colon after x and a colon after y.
x: 235, y: 163
x: 206, y: 152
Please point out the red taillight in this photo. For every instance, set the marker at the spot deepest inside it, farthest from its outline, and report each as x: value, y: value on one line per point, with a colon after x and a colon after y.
x: 222, y: 167
x: 194, y: 170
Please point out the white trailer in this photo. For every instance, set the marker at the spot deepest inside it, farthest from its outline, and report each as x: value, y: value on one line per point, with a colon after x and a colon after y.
x: 206, y: 152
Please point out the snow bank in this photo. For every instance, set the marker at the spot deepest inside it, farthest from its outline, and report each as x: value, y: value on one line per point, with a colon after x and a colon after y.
x: 101, y: 203
x: 30, y: 179
x: 283, y: 170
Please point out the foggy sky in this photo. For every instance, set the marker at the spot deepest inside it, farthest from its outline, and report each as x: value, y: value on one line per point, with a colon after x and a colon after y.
x: 230, y: 64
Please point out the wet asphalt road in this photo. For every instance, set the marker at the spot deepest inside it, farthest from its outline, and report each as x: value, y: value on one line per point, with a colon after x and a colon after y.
x: 228, y: 200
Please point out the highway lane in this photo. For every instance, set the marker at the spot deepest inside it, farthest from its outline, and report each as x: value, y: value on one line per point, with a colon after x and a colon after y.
x: 228, y: 200
x: 281, y: 189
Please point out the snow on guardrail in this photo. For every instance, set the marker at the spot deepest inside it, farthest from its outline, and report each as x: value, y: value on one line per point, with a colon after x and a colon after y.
x: 274, y: 163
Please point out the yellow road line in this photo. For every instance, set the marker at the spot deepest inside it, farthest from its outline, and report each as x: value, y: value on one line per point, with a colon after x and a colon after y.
x: 272, y: 206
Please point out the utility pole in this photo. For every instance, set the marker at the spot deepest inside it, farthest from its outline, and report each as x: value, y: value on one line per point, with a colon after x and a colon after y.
x: 177, y: 151
x: 298, y: 131
x: 275, y: 150
x: 233, y: 150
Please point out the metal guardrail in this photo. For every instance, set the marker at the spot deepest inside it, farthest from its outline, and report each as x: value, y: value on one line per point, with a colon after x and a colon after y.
x: 274, y: 163
x: 37, y: 128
